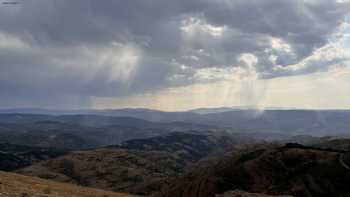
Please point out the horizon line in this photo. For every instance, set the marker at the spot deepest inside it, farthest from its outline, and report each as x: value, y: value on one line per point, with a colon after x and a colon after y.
x: 229, y: 108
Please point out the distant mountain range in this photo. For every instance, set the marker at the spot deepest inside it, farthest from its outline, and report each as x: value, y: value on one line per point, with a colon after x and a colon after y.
x: 129, y: 111
x: 287, y: 121
x: 238, y: 108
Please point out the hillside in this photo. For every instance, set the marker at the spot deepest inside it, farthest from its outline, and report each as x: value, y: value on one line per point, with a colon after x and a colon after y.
x: 339, y: 144
x: 14, y: 185
x: 82, y: 131
x: 189, y: 146
x: 238, y: 193
x: 137, y: 166
x: 13, y: 156
x: 290, y: 170
x: 137, y: 172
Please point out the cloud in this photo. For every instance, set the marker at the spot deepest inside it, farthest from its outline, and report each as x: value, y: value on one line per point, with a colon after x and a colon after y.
x: 82, y: 49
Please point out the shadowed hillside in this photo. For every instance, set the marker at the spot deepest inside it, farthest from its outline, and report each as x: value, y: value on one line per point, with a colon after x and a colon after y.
x: 14, y: 156
x: 292, y: 170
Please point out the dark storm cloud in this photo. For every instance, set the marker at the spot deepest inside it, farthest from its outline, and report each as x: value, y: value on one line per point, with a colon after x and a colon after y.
x: 116, y: 48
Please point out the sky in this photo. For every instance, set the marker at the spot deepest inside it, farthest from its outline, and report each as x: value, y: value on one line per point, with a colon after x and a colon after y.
x: 175, y: 54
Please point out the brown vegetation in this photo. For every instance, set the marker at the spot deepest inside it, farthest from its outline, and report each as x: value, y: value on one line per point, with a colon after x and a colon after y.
x: 14, y: 185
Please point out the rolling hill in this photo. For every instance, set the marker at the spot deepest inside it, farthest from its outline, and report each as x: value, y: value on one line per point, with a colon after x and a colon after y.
x: 13, y: 157
x: 290, y: 170
x: 14, y: 185
x: 137, y: 166
x: 113, y: 169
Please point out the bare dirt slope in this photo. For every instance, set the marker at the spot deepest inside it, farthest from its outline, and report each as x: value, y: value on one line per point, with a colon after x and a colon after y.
x: 14, y: 185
